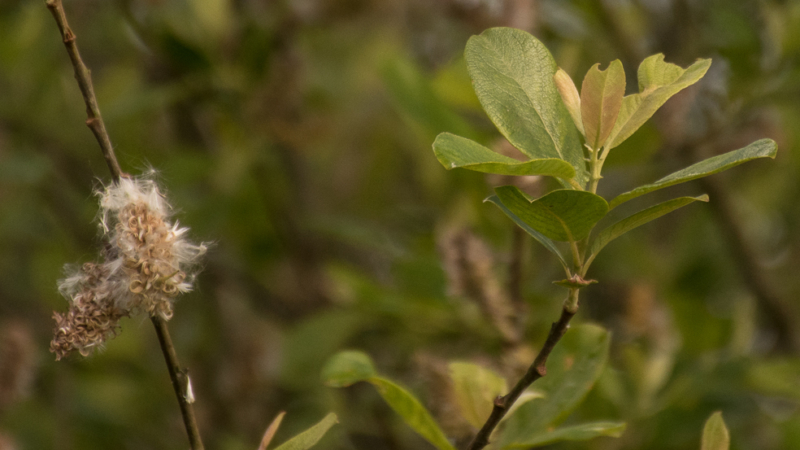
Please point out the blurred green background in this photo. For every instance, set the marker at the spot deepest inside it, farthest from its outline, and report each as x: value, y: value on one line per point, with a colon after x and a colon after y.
x: 296, y: 135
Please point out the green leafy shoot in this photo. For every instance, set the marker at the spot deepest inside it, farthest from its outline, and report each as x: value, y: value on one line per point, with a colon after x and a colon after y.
x: 476, y: 388
x: 513, y: 77
x: 311, y: 436
x: 455, y: 151
x: 601, y: 100
x: 636, y: 220
x: 582, y: 432
x: 764, y: 148
x: 658, y: 81
x: 349, y: 367
x: 561, y: 215
x: 715, y: 434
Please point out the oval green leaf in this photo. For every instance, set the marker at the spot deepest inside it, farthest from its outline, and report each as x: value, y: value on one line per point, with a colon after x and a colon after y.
x: 513, y: 77
x: 601, y: 100
x: 539, y: 237
x: 572, y: 369
x: 636, y: 220
x: 715, y: 434
x: 764, y: 148
x: 412, y: 412
x: 455, y: 151
x: 582, y: 432
x: 561, y: 215
x: 658, y: 81
x: 476, y: 388
x: 311, y: 436
x: 346, y: 368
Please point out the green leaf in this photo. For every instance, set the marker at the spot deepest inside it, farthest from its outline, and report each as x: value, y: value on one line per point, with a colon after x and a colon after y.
x: 582, y: 432
x: 349, y: 367
x: 475, y: 389
x: 412, y: 412
x: 715, y: 434
x: 658, y: 81
x: 764, y: 148
x: 311, y: 436
x: 638, y: 219
x: 513, y: 77
x: 572, y: 369
x: 601, y: 100
x: 561, y: 215
x: 570, y: 96
x: 542, y: 239
x: 455, y: 151
x: 346, y: 368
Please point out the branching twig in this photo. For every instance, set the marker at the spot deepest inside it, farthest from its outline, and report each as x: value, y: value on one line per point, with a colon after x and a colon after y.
x: 180, y: 382
x: 537, y: 370
x: 84, y: 78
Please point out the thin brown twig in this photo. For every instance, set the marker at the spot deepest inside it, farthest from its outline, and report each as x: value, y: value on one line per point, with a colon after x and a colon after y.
x: 537, y: 370
x: 84, y: 77
x: 180, y: 381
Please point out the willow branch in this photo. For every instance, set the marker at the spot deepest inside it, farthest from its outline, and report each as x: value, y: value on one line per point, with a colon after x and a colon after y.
x: 537, y: 370
x: 180, y: 381
x: 83, y: 75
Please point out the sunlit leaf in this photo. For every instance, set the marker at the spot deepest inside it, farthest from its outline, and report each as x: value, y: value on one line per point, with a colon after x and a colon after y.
x: 601, y: 100
x: 455, y: 151
x: 346, y: 368
x: 561, y: 215
x: 572, y: 369
x: 658, y: 81
x: 412, y: 412
x: 715, y: 434
x: 764, y: 148
x: 638, y: 219
x: 311, y: 436
x: 582, y: 432
x: 513, y: 77
x: 542, y: 239
x: 570, y: 96
x: 476, y: 388
x: 350, y: 367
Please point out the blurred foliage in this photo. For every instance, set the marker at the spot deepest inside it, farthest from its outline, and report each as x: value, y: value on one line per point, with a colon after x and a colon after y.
x: 297, y: 136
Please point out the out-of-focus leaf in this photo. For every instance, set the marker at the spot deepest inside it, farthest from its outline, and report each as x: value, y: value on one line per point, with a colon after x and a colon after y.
x: 763, y: 148
x: 412, y: 412
x: 513, y: 76
x: 582, y: 432
x: 476, y: 388
x: 601, y: 100
x: 542, y: 239
x: 715, y: 434
x: 311, y: 436
x: 348, y: 367
x: 658, y: 81
x: 455, y: 151
x: 638, y: 219
x: 570, y: 97
x: 572, y: 369
x: 271, y: 430
x: 775, y: 377
x: 561, y: 215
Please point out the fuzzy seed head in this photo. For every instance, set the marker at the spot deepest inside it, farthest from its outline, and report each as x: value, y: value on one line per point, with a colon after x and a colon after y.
x: 146, y: 264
